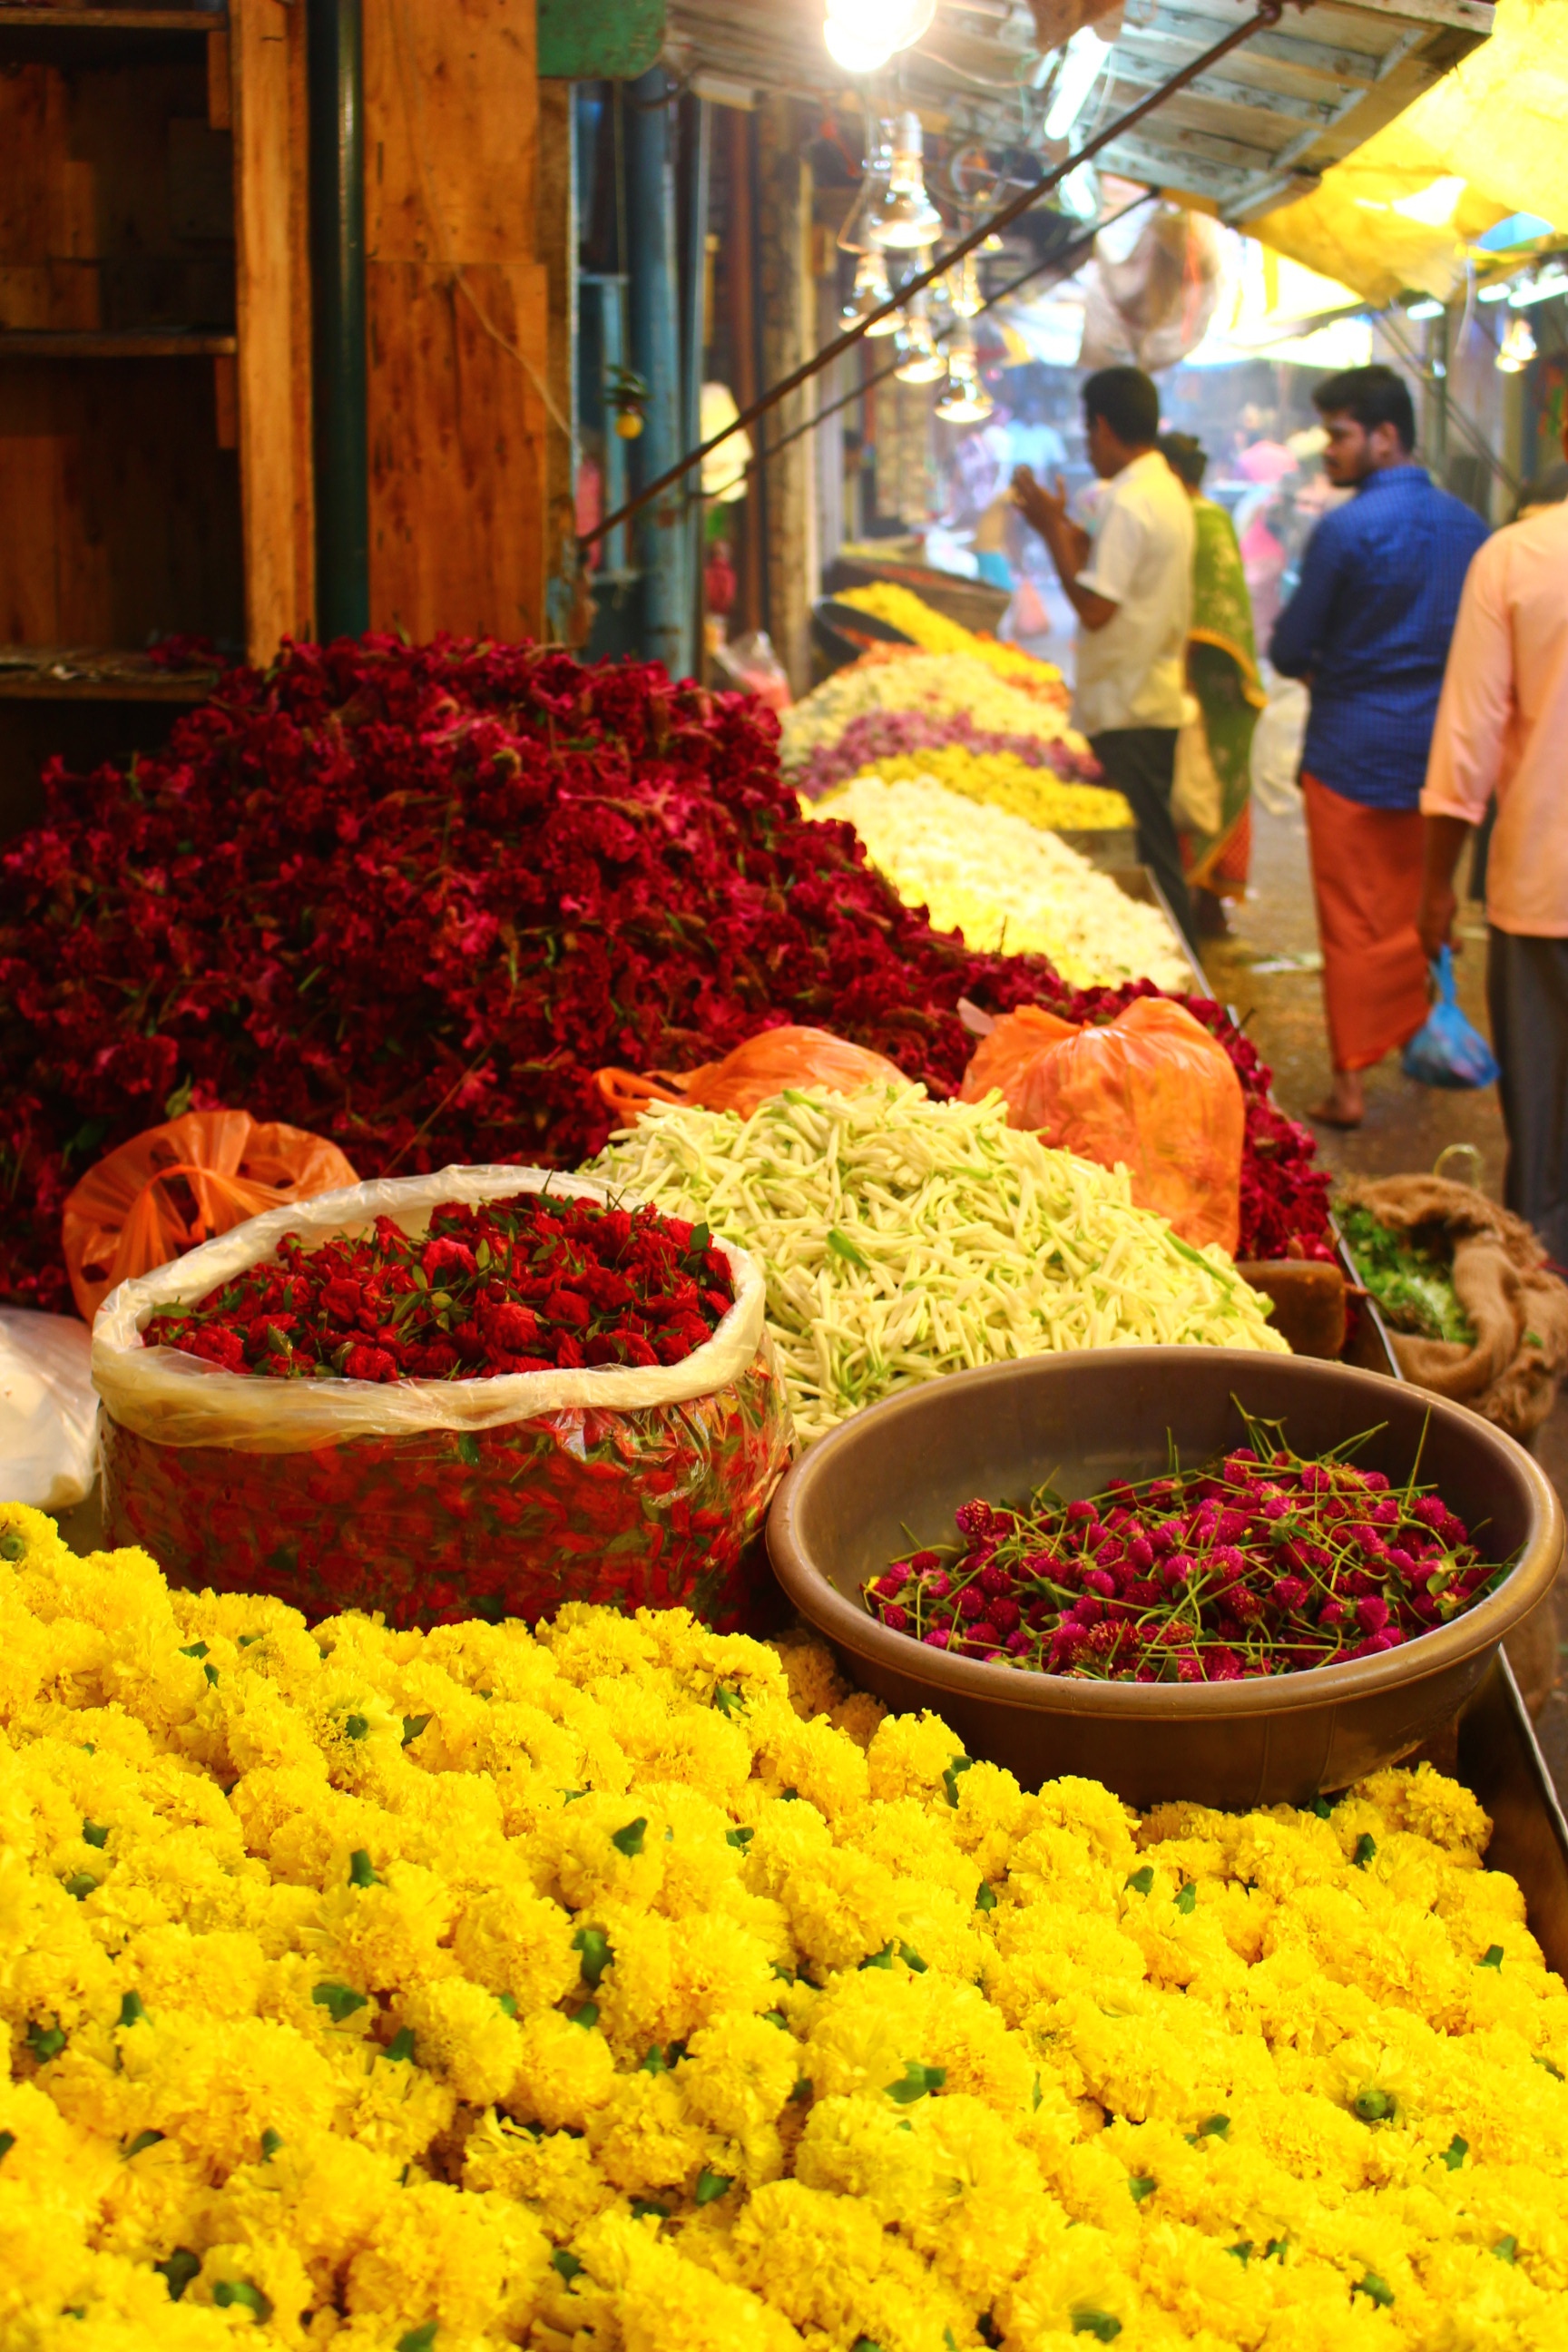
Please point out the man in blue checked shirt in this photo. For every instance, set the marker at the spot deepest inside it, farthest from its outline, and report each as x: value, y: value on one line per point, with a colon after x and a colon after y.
x: 1368, y: 629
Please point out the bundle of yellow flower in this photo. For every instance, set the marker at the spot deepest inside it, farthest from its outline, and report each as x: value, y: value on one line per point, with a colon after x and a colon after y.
x: 934, y: 633
x: 1002, y: 780
x: 604, y: 1990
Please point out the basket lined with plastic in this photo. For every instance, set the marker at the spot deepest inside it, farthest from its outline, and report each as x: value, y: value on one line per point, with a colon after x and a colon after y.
x: 434, y: 1499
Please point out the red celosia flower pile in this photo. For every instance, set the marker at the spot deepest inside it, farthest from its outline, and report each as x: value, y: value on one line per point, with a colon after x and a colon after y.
x: 1262, y: 1564
x: 530, y: 1283
x: 411, y: 897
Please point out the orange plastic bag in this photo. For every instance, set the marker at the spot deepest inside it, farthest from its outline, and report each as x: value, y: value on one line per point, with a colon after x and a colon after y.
x: 1150, y: 1089
x: 764, y: 1065
x: 175, y: 1185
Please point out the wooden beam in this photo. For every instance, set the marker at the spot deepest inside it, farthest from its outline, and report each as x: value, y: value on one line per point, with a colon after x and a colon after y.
x: 272, y: 268
x: 457, y: 305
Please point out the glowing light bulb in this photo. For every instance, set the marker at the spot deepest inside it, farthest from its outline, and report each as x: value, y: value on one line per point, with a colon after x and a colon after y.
x: 963, y: 296
x: 862, y: 34
x: 871, y: 289
x: 966, y: 400
x: 906, y: 218
x: 1517, y: 348
x: 920, y: 362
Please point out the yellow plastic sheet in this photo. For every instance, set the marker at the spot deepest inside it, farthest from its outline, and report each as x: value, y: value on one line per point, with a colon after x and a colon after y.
x: 1489, y: 140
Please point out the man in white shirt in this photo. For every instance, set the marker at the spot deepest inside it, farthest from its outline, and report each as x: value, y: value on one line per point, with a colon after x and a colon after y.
x: 1132, y: 588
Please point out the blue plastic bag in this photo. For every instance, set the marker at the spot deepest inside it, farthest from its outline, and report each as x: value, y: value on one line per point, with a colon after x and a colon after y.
x: 1447, y: 1050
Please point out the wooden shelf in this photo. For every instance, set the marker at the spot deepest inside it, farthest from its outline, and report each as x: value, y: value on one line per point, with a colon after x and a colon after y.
x: 96, y: 674
x: 112, y: 20
x: 113, y: 344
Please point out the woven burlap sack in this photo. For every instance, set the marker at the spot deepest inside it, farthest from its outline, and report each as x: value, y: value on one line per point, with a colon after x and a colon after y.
x: 1520, y: 1311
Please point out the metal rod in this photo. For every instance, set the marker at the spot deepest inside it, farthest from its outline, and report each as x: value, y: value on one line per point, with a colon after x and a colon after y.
x: 1455, y: 415
x: 654, y: 303
x: 335, y: 78
x: 1064, y: 262
x: 1268, y: 14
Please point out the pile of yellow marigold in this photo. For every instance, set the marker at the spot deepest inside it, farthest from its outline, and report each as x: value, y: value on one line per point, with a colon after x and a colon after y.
x: 627, y: 1988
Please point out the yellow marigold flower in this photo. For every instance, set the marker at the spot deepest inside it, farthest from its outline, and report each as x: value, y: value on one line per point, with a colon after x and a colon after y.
x: 553, y: 2173
x: 645, y: 2136
x: 1073, y: 2281
x: 909, y: 1755
x: 462, y: 2033
x: 664, y: 2304
x: 465, y: 2259
x: 739, y: 2071
x: 517, y: 1942
x: 565, y: 2072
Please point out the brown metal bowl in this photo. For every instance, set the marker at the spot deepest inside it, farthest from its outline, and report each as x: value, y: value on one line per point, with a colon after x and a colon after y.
x: 891, y: 1477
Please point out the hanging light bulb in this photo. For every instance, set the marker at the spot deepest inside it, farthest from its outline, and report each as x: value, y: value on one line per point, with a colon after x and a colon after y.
x: 906, y: 218
x: 920, y: 362
x: 1081, y: 65
x: 873, y: 189
x: 966, y: 400
x: 862, y: 34
x: 1080, y: 192
x: 1553, y: 279
x: 1517, y: 348
x: 964, y: 294
x: 871, y: 291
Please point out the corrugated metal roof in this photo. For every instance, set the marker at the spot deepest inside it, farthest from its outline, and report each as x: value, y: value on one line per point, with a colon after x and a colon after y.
x: 1256, y: 132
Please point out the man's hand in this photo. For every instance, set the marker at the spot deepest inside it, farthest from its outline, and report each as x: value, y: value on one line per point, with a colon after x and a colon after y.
x: 1047, y: 510
x: 1434, y: 921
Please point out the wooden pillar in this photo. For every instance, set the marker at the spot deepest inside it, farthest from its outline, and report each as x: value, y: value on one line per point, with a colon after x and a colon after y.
x: 266, y: 61
x: 788, y: 316
x: 458, y: 308
x: 570, y: 614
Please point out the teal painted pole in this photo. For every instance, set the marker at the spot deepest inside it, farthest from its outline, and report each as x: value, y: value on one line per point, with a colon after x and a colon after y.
x: 663, y: 541
x: 336, y: 107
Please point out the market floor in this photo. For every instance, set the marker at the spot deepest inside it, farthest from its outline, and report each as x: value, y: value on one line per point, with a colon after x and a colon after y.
x: 1267, y: 972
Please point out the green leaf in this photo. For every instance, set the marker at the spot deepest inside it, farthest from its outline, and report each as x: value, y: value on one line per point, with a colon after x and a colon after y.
x: 356, y: 1726
x: 419, y: 2340
x: 94, y: 1835
x: 700, y: 1237
x: 1142, y: 1881
x: 1365, y: 1847
x: 241, y: 2291
x: 912, y: 1960
x: 7, y: 2142
x: 629, y: 1841
x: 1456, y: 2152
x: 587, y: 2017
x: 656, y: 2062
x: 1243, y: 2252
x: 46, y: 2042
x: 143, y: 2139
x: 80, y: 1884
x: 739, y: 1839
x: 13, y: 1545
x: 401, y: 2046
x: 950, y: 1778
x: 802, y: 2091
x: 566, y: 2263
x: 986, y: 1899
x: 179, y: 2271
x: 1212, y: 2127
x: 711, y: 2185
x: 131, y: 2009
x: 339, y: 2001
x: 728, y: 1702
x: 360, y: 1871
x: 412, y: 1725
x: 196, y: 1650
x: 1555, y: 2072
x: 1507, y: 2250
x: 210, y: 1671
x: 1187, y: 1900
x: 1099, y: 2324
x: 1373, y: 2107
x: 594, y: 1947
x: 776, y: 2017
x: 1141, y: 2185
x: 1492, y: 1958
x: 1375, y: 2290
x: 468, y: 1450
x: 507, y: 2001
x: 917, y: 2081
x: 842, y: 1247
x: 271, y: 2141
x: 882, y: 1960
x: 1322, y: 1807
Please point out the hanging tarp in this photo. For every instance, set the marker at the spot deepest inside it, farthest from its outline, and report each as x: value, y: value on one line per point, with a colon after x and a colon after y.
x: 1489, y: 140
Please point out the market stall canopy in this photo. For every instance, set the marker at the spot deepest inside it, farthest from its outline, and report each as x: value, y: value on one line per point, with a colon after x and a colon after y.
x: 1280, y: 112
x: 1489, y: 139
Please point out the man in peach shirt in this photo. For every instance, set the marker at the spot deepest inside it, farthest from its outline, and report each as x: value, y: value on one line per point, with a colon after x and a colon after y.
x: 1502, y: 725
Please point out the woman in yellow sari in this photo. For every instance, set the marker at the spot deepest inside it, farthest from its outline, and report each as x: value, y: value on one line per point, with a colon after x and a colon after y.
x: 1222, y: 676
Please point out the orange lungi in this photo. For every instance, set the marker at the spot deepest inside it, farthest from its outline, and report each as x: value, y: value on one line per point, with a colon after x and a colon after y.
x: 1366, y: 879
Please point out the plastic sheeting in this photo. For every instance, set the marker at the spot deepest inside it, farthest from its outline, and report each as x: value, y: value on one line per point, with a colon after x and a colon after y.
x: 1487, y: 141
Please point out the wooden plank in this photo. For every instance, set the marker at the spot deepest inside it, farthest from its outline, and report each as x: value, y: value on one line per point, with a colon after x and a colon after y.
x: 220, y: 81
x: 451, y: 131
x: 457, y: 317
x: 268, y: 45
x: 110, y: 344
x: 111, y: 20
x: 89, y: 674
x: 457, y: 449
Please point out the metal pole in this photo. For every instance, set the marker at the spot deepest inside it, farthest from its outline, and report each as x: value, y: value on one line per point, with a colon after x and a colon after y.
x: 695, y: 326
x: 1268, y: 13
x: 336, y: 107
x: 655, y: 305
